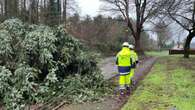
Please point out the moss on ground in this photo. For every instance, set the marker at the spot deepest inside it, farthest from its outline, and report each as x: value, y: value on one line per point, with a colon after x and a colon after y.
x: 169, y: 86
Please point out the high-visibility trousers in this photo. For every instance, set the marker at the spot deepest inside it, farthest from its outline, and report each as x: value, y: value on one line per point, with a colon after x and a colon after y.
x: 132, y: 73
x: 124, y: 78
x: 124, y: 81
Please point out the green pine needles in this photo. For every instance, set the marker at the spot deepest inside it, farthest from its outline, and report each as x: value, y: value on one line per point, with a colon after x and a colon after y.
x: 39, y: 64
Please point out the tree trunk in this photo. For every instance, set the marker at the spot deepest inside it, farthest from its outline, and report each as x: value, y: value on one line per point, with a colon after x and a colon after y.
x: 65, y: 12
x: 33, y: 12
x: 137, y: 37
x: 37, y: 11
x: 138, y: 47
x: 136, y: 34
x: 5, y: 8
x: 59, y: 11
x: 24, y: 5
x: 11, y: 8
x: 187, y: 44
x: 14, y: 10
x: 24, y: 12
x: 1, y: 4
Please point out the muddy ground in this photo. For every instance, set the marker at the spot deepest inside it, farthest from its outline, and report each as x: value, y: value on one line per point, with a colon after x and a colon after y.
x: 109, y: 71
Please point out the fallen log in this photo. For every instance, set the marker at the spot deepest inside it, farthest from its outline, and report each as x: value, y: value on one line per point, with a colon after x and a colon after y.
x: 180, y: 51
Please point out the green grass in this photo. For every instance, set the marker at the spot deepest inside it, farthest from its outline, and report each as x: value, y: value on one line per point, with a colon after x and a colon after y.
x: 169, y: 86
x: 163, y: 54
x: 157, y: 53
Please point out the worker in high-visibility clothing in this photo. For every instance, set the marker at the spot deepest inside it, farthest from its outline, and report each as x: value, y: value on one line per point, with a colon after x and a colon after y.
x: 134, y: 57
x: 124, y: 63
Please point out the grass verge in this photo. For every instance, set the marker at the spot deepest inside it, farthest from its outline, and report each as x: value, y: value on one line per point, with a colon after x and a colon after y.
x: 157, y: 53
x: 169, y: 86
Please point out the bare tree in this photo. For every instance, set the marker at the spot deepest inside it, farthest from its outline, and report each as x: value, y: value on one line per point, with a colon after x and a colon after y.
x: 163, y: 33
x: 144, y: 10
x: 183, y: 13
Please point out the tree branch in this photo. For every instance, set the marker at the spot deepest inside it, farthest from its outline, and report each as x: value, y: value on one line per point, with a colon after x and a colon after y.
x: 178, y: 22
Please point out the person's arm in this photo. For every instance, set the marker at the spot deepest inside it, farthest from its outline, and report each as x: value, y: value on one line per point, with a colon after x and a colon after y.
x: 132, y: 62
x: 137, y: 60
x: 116, y: 60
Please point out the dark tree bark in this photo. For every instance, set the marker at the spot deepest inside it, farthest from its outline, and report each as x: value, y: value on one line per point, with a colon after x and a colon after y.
x: 138, y: 45
x: 24, y: 11
x: 59, y: 10
x: 1, y: 5
x: 11, y: 8
x: 6, y: 7
x: 33, y: 12
x: 187, y: 44
x: 65, y: 12
x: 14, y: 8
x: 37, y: 11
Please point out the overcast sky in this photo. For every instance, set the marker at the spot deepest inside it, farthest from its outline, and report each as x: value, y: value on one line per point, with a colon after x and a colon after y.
x: 90, y: 7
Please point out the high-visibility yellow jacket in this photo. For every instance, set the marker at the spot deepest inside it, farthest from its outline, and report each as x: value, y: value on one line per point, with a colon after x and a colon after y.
x: 124, y: 57
x: 134, y: 56
x: 124, y: 61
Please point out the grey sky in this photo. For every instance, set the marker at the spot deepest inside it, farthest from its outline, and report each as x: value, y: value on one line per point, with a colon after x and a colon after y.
x: 90, y: 7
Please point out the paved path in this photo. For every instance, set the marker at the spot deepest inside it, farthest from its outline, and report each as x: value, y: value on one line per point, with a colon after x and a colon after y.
x: 109, y: 68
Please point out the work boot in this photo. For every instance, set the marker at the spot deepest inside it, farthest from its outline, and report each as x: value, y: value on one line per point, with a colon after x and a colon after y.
x: 128, y: 91
x: 122, y: 94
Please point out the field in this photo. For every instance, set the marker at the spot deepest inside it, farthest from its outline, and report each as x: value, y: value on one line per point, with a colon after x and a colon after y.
x: 169, y: 85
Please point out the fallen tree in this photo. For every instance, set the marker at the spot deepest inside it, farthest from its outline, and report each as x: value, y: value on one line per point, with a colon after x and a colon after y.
x: 38, y: 63
x: 182, y: 51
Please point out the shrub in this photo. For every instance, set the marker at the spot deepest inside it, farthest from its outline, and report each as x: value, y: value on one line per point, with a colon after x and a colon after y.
x: 39, y: 63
